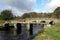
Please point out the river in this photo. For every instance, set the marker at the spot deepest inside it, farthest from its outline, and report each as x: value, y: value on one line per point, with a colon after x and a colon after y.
x: 12, y: 34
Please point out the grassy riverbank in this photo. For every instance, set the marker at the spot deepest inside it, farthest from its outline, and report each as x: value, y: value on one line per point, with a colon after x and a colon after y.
x: 52, y: 33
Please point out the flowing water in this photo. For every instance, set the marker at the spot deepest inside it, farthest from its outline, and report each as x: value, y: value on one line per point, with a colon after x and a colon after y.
x: 13, y: 35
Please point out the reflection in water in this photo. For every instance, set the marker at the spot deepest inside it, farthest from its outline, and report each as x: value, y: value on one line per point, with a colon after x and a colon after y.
x: 12, y: 34
x: 36, y: 30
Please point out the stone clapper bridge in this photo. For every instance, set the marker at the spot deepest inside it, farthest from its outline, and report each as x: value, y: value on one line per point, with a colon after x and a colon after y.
x: 35, y: 21
x: 30, y: 29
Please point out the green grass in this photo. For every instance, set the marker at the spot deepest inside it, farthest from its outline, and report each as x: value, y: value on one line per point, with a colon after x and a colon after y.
x: 53, y: 32
x: 2, y: 21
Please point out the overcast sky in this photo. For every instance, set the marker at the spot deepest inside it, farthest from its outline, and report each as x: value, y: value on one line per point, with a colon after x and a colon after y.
x: 21, y: 6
